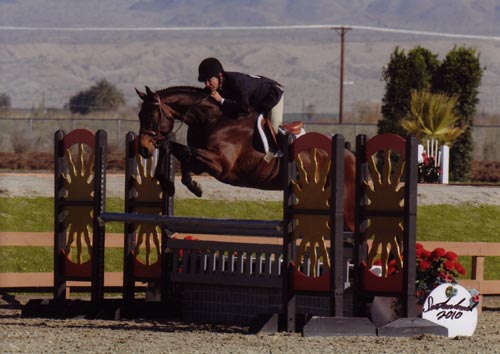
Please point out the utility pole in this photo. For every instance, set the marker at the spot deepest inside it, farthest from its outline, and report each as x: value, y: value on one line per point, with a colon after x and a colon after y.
x: 341, y: 31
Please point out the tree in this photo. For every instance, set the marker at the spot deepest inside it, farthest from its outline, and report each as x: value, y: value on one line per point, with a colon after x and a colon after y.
x: 403, y: 74
x: 460, y: 74
x: 432, y: 116
x: 4, y: 101
x: 103, y: 96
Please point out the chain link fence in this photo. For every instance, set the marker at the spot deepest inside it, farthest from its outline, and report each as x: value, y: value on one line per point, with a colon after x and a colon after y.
x: 36, y: 134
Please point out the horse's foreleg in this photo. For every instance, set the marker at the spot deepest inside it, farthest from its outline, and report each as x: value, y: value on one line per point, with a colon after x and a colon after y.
x: 193, y: 186
x: 162, y: 171
x: 197, y: 161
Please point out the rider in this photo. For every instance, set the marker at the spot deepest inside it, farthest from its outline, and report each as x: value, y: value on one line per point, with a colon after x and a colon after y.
x: 237, y: 92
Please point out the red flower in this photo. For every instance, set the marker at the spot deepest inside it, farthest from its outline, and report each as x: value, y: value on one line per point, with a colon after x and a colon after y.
x: 391, y: 267
x: 434, y: 268
x: 424, y: 265
x: 425, y: 254
x: 445, y: 277
x: 460, y: 269
x: 438, y: 253
x: 426, y: 159
x: 451, y: 256
x: 449, y: 265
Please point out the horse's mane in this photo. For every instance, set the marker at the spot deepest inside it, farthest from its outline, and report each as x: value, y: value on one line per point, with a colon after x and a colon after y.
x: 180, y: 89
x: 202, y: 95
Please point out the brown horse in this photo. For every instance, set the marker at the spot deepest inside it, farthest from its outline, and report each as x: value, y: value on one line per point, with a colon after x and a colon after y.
x: 221, y: 146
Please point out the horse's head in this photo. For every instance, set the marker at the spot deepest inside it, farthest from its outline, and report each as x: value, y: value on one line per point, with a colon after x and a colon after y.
x: 156, y: 122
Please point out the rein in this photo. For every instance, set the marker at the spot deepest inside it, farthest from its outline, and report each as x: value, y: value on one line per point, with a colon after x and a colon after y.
x: 183, y: 118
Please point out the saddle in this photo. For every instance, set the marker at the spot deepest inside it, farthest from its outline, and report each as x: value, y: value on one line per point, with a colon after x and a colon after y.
x: 268, y: 134
x: 295, y: 128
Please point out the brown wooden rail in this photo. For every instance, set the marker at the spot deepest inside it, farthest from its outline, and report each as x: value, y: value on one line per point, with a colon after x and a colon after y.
x: 44, y: 281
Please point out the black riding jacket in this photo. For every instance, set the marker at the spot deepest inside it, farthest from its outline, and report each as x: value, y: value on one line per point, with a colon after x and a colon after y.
x: 242, y: 92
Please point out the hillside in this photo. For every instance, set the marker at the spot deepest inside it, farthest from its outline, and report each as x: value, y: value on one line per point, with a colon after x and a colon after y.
x: 452, y: 16
x: 48, y: 67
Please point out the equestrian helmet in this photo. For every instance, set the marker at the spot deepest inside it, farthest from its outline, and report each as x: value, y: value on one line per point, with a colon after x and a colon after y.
x: 208, y: 68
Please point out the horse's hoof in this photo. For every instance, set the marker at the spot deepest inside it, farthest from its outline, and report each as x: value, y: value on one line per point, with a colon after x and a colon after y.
x: 195, y: 188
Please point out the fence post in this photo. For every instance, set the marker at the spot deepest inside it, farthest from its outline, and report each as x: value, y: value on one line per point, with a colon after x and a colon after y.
x: 167, y: 209
x: 287, y: 319
x: 409, y: 300
x: 129, y: 228
x: 59, y: 228
x: 445, y: 164
x: 359, y: 224
x: 97, y: 293
x: 337, y: 231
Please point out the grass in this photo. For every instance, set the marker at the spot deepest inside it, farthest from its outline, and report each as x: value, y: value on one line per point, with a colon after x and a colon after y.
x: 464, y: 223
x: 37, y: 214
x: 41, y: 259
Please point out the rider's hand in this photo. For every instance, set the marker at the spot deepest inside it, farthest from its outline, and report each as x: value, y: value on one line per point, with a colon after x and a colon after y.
x: 216, y: 96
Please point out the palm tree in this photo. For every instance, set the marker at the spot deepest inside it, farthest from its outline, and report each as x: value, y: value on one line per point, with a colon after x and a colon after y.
x: 432, y: 117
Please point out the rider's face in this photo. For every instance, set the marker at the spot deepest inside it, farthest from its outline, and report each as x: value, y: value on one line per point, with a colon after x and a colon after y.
x: 213, y: 83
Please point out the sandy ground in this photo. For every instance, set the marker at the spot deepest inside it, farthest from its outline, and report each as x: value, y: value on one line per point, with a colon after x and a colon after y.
x: 40, y: 335
x: 42, y: 184
x: 22, y: 335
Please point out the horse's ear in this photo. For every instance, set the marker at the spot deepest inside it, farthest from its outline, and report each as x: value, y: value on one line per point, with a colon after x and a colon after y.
x: 142, y: 95
x: 148, y: 91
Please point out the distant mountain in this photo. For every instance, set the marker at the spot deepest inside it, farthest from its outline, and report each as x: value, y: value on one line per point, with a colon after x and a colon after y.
x: 456, y: 16
x: 52, y: 66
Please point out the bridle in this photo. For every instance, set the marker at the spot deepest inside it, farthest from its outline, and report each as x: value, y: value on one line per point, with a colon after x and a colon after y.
x: 156, y: 136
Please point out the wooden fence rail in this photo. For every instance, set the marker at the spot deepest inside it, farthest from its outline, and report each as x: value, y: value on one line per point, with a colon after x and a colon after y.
x: 43, y: 281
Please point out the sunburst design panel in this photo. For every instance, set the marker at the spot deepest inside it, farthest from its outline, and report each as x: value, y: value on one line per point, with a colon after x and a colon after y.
x: 312, y: 191
x: 147, y: 189
x: 386, y: 196
x: 78, y: 186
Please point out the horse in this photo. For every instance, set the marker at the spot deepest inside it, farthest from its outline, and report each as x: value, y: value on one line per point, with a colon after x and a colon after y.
x: 222, y: 146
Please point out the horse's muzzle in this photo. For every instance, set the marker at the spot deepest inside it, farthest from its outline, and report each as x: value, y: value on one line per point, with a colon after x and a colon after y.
x: 143, y: 152
x: 146, y: 146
